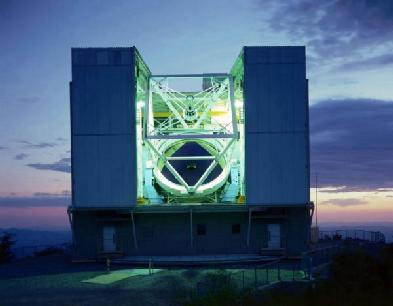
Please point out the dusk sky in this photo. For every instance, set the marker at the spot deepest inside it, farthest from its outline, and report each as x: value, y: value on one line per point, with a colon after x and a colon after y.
x: 349, y: 64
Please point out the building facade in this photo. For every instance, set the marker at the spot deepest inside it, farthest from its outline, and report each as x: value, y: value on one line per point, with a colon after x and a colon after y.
x: 203, y: 164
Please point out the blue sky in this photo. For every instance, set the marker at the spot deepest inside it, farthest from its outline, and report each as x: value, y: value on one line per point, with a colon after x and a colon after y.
x: 349, y: 65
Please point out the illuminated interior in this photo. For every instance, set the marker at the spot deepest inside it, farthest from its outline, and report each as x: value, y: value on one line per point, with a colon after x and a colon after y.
x: 190, y: 140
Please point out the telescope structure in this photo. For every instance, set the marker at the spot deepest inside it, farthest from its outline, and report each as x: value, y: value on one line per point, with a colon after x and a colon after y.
x: 189, y: 164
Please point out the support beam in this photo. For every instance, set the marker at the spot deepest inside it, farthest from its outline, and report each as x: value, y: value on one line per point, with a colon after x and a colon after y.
x: 71, y: 220
x: 221, y: 75
x: 190, y: 157
x: 212, y: 165
x: 249, y: 228
x: 192, y: 136
x: 207, y: 108
x: 133, y: 229
x: 191, y: 233
x: 169, y: 104
x: 231, y: 93
x: 69, y: 213
x: 169, y: 166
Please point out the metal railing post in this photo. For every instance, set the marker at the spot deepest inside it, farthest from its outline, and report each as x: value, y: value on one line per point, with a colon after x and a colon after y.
x: 255, y: 278
x: 293, y: 272
x: 309, y: 272
x: 267, y: 275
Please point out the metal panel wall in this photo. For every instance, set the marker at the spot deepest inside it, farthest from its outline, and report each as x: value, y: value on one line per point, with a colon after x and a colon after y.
x: 152, y: 229
x: 276, y: 125
x: 103, y: 127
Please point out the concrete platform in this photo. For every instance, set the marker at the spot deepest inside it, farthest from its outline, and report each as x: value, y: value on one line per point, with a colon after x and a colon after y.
x: 202, y: 260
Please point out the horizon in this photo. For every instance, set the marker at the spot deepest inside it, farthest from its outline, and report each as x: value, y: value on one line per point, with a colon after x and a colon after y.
x: 351, y: 89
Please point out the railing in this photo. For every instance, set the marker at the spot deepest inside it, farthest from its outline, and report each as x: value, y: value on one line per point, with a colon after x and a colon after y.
x: 260, y: 276
x: 253, y: 277
x: 321, y: 255
x: 355, y: 234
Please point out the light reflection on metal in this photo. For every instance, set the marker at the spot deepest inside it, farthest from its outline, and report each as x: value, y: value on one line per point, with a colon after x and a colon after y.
x: 206, y: 117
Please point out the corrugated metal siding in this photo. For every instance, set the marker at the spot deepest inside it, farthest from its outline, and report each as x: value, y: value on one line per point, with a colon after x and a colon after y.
x: 103, y: 127
x: 275, y: 169
x: 276, y: 127
x: 102, y: 101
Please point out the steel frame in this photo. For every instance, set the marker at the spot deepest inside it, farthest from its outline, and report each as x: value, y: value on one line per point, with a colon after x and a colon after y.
x: 166, y: 131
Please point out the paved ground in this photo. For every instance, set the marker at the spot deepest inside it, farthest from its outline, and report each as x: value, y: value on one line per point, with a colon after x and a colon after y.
x: 54, y: 280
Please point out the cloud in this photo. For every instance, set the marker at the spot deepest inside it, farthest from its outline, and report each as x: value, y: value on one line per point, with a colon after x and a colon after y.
x: 21, y: 156
x: 351, y: 144
x: 350, y: 188
x: 61, y: 139
x: 3, y: 148
x: 344, y: 202
x: 64, y: 193
x: 375, y: 62
x: 39, y: 145
x: 62, y: 165
x: 43, y: 144
x: 35, y: 201
x: 334, y: 30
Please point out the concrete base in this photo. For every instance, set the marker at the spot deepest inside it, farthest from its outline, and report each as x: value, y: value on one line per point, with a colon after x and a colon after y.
x: 195, y: 260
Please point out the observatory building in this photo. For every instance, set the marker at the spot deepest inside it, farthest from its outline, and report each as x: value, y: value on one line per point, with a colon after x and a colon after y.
x: 189, y: 164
